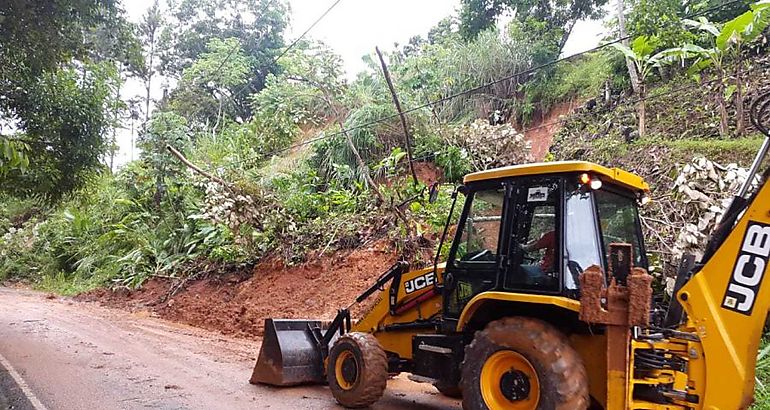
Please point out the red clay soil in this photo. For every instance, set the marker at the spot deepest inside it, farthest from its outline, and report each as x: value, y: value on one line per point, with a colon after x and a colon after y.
x: 540, y: 133
x: 237, y: 306
x: 428, y: 172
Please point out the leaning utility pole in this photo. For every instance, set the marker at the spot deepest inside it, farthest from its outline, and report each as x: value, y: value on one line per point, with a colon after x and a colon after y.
x: 407, y: 136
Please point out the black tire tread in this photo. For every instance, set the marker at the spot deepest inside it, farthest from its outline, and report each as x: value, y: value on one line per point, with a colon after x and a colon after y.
x: 547, y: 346
x: 374, y: 372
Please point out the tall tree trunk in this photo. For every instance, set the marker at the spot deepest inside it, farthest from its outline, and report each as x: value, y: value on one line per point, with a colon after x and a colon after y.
x: 724, y: 125
x: 739, y: 126
x: 113, y: 147
x: 219, y: 114
x: 132, y: 140
x: 642, y: 111
x: 630, y: 66
x: 148, y: 82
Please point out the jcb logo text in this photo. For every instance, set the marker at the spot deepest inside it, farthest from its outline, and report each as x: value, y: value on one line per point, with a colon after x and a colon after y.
x: 749, y: 269
x: 420, y: 282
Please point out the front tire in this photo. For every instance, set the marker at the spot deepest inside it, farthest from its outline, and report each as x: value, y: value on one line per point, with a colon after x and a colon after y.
x: 357, y: 370
x: 520, y: 363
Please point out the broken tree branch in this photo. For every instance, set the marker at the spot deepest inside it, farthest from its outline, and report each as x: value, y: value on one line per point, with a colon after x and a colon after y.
x: 228, y: 186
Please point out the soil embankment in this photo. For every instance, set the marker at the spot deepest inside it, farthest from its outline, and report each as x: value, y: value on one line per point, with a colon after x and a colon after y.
x: 237, y: 303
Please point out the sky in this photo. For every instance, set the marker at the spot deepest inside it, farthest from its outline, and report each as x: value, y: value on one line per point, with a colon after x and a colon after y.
x: 352, y: 29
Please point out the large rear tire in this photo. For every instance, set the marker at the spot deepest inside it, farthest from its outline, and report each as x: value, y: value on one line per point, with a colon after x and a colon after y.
x: 520, y: 363
x: 357, y: 370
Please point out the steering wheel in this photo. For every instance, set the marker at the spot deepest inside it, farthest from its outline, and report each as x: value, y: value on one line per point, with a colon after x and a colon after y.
x: 481, y: 255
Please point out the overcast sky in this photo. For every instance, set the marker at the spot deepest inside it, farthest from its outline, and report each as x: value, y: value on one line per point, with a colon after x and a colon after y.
x: 352, y: 29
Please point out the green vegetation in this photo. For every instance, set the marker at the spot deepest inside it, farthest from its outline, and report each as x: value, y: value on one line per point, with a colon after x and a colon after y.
x: 294, y: 158
x: 295, y: 161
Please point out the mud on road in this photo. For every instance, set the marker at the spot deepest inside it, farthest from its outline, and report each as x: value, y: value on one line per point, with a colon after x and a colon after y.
x: 77, y: 355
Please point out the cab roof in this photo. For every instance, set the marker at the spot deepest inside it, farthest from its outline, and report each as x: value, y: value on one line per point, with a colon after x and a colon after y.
x: 615, y: 176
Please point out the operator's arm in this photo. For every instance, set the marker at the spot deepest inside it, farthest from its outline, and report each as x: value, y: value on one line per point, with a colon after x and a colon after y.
x: 546, y: 240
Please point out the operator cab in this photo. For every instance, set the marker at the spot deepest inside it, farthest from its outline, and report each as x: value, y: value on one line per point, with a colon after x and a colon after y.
x: 534, y: 228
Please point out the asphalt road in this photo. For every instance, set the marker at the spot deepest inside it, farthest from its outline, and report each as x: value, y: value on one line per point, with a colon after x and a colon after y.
x: 73, y: 355
x: 11, y: 394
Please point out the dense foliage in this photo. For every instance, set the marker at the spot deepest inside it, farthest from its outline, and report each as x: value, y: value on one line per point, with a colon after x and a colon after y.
x: 59, y: 67
x: 285, y: 146
x: 290, y: 159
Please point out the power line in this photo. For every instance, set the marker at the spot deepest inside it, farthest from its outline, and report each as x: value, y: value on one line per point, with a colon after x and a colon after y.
x: 464, y: 92
x: 318, y: 20
x: 291, y: 46
x: 275, y: 60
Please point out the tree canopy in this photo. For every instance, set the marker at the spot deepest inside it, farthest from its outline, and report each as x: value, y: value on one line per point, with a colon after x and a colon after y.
x: 558, y: 16
x: 58, y: 76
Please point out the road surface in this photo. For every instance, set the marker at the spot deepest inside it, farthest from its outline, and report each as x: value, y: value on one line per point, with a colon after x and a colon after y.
x: 74, y: 355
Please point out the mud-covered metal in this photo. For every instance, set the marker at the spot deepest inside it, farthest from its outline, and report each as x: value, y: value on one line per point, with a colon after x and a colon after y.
x: 290, y: 354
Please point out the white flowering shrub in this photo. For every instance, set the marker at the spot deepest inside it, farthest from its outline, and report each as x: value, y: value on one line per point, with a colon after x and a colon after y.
x: 491, y: 146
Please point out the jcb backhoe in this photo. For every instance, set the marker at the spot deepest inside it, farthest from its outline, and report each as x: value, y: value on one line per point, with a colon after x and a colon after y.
x: 545, y: 302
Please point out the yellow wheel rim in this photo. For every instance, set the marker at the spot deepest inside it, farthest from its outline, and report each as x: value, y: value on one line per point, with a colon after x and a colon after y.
x: 508, y: 381
x: 346, y: 370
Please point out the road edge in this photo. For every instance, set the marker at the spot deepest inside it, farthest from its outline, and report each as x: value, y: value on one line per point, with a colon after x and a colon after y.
x: 28, y: 393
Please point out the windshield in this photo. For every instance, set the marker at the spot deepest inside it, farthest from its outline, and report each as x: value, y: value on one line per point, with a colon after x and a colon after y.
x: 478, y: 241
x: 619, y: 223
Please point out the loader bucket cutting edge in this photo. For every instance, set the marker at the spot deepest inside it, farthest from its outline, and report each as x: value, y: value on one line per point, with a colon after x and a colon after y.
x: 289, y: 354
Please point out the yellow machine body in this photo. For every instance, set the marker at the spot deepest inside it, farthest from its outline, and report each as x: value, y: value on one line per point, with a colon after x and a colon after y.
x: 730, y: 328
x: 718, y: 344
x: 729, y: 339
x: 379, y: 318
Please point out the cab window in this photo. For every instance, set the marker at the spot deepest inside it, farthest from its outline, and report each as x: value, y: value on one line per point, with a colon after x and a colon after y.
x: 582, y: 237
x: 480, y: 235
x: 535, y: 236
x: 619, y: 223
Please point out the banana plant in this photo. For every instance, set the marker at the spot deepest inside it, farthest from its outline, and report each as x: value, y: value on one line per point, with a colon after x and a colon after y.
x: 642, y: 53
x: 728, y: 40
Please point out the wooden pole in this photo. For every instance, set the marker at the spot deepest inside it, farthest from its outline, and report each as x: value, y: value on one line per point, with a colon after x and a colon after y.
x: 407, y: 137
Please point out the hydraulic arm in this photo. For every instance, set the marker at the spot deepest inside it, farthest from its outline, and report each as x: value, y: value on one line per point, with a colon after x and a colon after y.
x: 726, y: 301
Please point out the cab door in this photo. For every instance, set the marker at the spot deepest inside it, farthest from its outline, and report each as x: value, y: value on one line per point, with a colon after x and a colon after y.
x: 478, y: 254
x: 536, y: 204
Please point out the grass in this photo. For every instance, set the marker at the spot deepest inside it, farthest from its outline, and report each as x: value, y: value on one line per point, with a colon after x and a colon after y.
x: 740, y: 149
x: 762, y: 389
x: 69, y: 285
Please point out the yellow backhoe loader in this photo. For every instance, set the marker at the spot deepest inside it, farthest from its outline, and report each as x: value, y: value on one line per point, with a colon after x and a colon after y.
x: 545, y: 302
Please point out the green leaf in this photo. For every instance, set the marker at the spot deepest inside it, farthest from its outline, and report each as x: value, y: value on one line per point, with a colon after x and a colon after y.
x: 644, y: 45
x: 702, y: 24
x: 761, y: 5
x: 733, y: 30
x: 627, y: 52
x: 729, y: 91
x: 699, y: 66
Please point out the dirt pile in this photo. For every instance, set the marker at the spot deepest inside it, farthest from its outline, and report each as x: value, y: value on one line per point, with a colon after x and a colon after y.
x: 543, y: 129
x: 237, y: 303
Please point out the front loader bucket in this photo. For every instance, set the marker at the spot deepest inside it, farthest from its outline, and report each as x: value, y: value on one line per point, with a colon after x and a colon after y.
x: 290, y: 354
